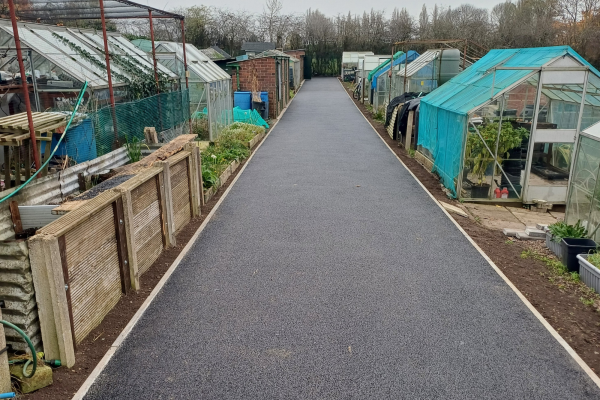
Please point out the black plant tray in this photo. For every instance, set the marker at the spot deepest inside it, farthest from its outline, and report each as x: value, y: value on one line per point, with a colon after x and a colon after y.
x: 549, y: 172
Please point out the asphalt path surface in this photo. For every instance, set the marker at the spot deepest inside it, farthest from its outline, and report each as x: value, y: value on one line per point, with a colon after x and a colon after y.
x: 329, y: 273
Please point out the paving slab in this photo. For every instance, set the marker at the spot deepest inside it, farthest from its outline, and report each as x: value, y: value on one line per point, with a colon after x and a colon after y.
x: 495, y: 217
x: 532, y: 218
x: 329, y: 273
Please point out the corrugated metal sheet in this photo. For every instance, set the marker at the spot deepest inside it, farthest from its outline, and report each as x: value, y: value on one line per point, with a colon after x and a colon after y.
x: 52, y: 189
x: 36, y: 216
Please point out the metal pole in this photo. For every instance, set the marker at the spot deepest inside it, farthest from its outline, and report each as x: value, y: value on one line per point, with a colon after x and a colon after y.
x: 153, y: 51
x: 405, y: 68
x: 36, y: 94
x: 13, y: 17
x: 185, y: 67
x: 110, y: 85
x: 155, y: 69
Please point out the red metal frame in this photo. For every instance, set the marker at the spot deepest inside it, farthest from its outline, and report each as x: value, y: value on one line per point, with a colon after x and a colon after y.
x: 107, y: 58
x: 153, y: 51
x: 13, y: 18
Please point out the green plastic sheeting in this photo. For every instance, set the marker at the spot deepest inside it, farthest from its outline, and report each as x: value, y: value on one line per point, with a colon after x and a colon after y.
x: 246, y: 116
x: 383, y: 64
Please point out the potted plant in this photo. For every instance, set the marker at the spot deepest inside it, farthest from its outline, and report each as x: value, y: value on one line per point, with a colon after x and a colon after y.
x: 589, y: 271
x: 560, y: 230
x: 478, y: 157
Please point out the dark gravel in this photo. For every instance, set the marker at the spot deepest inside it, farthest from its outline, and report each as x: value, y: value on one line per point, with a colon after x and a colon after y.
x: 103, y: 186
x: 320, y: 277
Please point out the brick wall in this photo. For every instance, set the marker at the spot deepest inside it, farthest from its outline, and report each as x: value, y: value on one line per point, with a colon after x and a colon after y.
x: 299, y: 54
x: 265, y: 71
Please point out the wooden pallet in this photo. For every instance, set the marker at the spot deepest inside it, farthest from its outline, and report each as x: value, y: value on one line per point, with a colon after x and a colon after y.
x: 14, y: 133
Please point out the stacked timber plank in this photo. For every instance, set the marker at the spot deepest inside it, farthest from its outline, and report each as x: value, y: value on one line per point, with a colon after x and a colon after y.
x: 14, y: 130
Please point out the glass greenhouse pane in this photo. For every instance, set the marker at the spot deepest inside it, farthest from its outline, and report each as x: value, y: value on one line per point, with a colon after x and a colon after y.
x: 550, y: 164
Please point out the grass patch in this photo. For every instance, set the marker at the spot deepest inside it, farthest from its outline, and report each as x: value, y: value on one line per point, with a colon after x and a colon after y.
x: 561, y: 277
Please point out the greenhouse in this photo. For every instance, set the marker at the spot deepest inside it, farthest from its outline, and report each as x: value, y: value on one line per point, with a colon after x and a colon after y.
x: 370, y: 63
x: 211, y: 101
x: 383, y: 86
x: 430, y: 70
x: 64, y: 58
x: 509, y: 123
x: 583, y: 203
x: 352, y: 61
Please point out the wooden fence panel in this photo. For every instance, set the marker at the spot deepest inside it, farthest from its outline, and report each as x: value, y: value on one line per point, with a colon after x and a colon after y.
x: 180, y: 186
x: 94, y: 275
x: 147, y: 223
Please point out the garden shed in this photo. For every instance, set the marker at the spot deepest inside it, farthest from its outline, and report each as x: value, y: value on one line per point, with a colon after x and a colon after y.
x: 380, y: 83
x: 509, y: 123
x: 210, y: 87
x: 266, y: 72
x: 583, y: 201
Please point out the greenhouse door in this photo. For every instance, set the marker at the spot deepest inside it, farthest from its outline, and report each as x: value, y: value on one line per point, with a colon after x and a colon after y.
x: 558, y: 110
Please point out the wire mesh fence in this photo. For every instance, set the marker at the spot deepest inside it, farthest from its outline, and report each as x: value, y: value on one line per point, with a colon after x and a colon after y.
x: 165, y: 112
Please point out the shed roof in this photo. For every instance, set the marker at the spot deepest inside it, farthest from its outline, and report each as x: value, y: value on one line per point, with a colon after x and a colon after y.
x: 258, y: 47
x: 473, y: 87
x: 275, y: 54
x: 55, y: 43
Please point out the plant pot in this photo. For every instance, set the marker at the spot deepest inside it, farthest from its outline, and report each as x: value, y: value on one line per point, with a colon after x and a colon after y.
x: 554, y: 247
x: 588, y: 273
x: 571, y: 248
x: 480, y: 191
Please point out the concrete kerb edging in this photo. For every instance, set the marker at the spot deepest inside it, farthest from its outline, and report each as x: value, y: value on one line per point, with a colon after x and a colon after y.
x: 80, y: 394
x: 531, y: 308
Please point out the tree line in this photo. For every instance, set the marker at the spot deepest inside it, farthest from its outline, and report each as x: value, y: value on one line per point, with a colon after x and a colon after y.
x: 520, y: 23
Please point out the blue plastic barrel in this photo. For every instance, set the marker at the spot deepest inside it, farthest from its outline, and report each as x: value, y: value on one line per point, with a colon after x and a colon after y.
x: 79, y: 142
x: 243, y: 100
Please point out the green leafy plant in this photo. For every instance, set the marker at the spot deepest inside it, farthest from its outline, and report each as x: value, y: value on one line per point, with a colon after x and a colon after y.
x: 560, y: 230
x: 231, y: 145
x: 477, y: 156
x: 134, y: 148
x: 594, y: 259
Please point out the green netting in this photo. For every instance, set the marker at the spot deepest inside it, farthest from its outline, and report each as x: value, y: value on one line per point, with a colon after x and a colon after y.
x: 165, y: 112
x: 249, y: 117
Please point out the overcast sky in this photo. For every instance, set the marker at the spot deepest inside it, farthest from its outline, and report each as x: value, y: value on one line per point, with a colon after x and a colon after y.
x: 328, y: 7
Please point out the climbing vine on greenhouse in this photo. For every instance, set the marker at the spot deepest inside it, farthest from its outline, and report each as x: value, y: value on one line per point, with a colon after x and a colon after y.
x: 142, y: 83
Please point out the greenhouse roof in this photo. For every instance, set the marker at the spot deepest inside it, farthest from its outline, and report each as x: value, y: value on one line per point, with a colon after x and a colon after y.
x: 197, y: 61
x: 473, y: 87
x: 62, y: 10
x: 274, y: 53
x: 421, y: 62
x: 410, y: 56
x: 56, y: 43
x: 383, y: 64
x: 592, y: 131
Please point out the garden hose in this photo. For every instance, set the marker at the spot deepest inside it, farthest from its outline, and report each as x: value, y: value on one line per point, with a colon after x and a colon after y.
x: 33, y: 353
